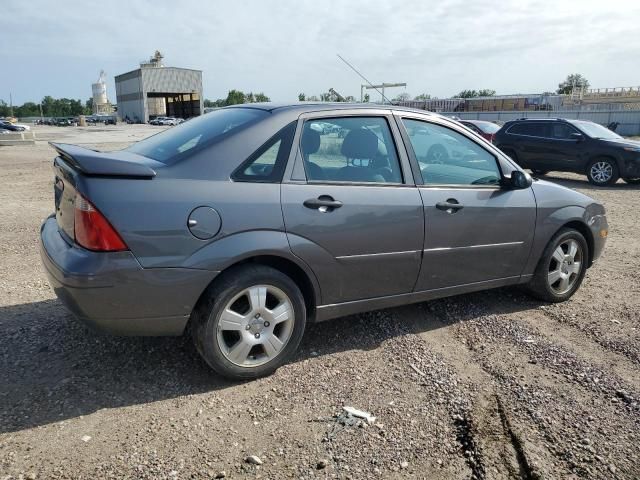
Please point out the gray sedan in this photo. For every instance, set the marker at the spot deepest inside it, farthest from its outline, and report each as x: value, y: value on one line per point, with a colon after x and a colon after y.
x: 243, y: 225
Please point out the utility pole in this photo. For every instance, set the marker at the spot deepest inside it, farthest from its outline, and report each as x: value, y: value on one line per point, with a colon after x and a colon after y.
x: 10, y: 105
x: 382, y: 86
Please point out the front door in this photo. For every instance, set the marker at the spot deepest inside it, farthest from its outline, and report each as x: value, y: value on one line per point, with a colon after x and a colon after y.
x: 356, y: 218
x: 476, y: 231
x: 564, y: 152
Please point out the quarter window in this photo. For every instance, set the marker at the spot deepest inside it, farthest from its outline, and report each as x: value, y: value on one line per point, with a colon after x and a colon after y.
x: 447, y: 157
x: 350, y: 149
x: 268, y: 162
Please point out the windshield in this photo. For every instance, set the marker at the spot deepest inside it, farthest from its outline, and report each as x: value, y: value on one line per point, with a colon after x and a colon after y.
x: 596, y: 131
x: 178, y: 142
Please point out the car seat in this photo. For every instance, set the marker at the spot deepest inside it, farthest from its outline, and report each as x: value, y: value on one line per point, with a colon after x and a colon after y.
x: 310, y: 145
x: 360, y: 144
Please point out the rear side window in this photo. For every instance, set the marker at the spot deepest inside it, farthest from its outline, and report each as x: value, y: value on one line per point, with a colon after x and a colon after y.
x: 350, y: 149
x: 177, y: 143
x: 531, y: 129
x: 267, y: 164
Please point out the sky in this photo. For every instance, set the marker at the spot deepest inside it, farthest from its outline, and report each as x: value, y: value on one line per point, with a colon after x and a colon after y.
x: 286, y: 47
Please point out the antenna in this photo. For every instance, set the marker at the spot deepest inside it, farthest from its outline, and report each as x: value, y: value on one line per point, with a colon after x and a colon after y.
x: 363, y: 77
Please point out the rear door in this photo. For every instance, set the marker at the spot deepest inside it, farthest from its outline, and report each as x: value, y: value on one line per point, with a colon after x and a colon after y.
x: 351, y: 208
x: 530, y: 142
x: 476, y: 231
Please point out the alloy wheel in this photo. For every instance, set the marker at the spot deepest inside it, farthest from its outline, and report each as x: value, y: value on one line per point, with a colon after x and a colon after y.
x: 565, y: 266
x: 255, y: 326
x: 601, y: 172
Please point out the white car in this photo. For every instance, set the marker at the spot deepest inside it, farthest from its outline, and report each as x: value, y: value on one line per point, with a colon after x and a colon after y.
x: 19, y: 125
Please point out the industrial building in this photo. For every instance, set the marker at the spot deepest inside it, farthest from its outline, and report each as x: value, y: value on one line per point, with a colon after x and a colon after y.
x: 154, y: 90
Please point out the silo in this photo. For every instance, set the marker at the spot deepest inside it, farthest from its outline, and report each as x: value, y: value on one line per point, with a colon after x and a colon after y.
x: 101, y: 103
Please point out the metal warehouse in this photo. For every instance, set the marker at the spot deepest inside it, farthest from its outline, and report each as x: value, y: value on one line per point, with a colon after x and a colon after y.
x: 154, y: 90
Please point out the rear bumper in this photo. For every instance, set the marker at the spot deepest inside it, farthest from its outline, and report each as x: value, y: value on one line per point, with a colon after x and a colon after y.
x: 112, y: 292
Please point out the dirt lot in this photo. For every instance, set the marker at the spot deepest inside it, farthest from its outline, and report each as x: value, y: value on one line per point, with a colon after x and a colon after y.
x: 488, y: 385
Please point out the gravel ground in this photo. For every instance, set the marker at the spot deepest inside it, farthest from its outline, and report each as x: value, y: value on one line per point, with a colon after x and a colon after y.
x: 487, y: 385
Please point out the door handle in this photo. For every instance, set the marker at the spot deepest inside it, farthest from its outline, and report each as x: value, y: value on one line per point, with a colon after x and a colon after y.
x: 450, y: 206
x: 323, y: 203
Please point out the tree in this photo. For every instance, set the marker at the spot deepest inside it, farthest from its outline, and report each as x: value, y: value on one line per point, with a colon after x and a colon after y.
x: 235, y: 97
x: 261, y: 97
x: 573, y: 81
x: 367, y: 97
x: 402, y: 97
x: 302, y: 97
x: 476, y: 93
x: 422, y: 97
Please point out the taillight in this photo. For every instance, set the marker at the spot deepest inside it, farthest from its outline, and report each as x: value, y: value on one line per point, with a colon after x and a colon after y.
x: 92, y: 230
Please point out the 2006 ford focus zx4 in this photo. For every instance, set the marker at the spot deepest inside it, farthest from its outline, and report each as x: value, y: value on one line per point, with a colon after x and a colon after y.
x: 244, y: 224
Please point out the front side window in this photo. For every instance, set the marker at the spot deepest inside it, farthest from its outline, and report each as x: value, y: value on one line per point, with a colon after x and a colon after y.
x: 350, y: 149
x: 562, y: 131
x: 447, y: 157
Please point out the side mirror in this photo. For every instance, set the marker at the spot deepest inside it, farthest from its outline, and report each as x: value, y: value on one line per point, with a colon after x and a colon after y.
x: 520, y: 180
x: 578, y: 137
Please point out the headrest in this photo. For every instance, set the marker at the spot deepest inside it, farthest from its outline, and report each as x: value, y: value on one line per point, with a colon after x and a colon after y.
x: 360, y: 143
x: 310, y: 141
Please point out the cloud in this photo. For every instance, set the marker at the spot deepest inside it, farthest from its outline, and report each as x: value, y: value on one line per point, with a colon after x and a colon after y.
x: 286, y: 47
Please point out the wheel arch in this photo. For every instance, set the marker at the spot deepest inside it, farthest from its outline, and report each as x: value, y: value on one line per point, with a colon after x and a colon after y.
x: 608, y: 156
x: 586, y: 232
x: 308, y: 286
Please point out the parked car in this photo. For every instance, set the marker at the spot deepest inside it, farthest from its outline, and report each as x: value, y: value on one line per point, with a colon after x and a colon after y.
x: 483, y: 128
x: 241, y: 227
x: 580, y: 146
x: 163, y: 121
x: 5, y: 125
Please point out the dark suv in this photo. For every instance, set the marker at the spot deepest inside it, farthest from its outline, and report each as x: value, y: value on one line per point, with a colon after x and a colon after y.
x: 579, y: 146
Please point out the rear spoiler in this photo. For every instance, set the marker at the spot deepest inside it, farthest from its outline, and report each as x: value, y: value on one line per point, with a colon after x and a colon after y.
x: 104, y: 164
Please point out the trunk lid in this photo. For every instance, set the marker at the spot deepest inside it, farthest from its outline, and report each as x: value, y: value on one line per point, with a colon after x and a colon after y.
x: 74, y: 163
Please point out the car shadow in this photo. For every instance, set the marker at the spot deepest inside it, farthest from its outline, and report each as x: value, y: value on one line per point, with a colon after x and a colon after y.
x: 54, y: 368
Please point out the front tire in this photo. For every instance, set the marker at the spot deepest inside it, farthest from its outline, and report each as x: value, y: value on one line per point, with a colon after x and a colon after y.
x: 602, y: 171
x: 561, y: 268
x: 250, y: 322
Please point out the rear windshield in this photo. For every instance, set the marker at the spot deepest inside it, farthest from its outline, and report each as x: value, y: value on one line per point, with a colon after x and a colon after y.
x: 176, y: 143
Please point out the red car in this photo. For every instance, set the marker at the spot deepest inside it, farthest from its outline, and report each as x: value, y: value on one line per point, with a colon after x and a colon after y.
x: 484, y: 129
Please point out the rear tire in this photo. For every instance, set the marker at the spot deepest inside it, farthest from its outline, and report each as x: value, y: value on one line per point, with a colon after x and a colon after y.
x: 632, y: 181
x: 602, y: 171
x: 250, y: 322
x: 561, y: 268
